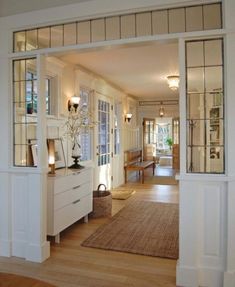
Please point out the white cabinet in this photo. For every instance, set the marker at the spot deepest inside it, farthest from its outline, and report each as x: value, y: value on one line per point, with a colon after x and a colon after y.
x: 69, y: 198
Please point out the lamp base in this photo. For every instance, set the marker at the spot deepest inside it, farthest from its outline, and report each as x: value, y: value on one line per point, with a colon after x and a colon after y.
x: 76, y: 165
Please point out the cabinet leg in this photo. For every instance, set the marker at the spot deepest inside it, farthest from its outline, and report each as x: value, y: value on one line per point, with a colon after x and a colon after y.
x: 57, y: 238
x: 86, y: 218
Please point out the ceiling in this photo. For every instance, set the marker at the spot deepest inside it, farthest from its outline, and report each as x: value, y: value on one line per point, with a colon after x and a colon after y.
x: 12, y: 7
x: 139, y: 71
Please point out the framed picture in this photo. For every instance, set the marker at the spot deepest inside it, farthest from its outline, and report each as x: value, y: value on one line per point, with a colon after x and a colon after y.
x: 32, y: 154
x: 58, y: 152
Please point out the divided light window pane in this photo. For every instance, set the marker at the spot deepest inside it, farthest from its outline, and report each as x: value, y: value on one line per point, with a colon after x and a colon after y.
x: 31, y: 40
x: 57, y: 36
x: 205, y: 106
x: 70, y: 34
x: 43, y: 38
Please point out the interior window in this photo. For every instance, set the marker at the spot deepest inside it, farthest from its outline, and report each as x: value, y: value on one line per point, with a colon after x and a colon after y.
x: 32, y: 93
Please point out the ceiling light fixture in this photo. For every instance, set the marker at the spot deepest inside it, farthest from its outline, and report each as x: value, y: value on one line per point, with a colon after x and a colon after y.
x: 173, y: 82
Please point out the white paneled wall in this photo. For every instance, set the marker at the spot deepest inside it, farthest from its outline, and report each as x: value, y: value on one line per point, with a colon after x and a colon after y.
x: 202, y: 229
x: 131, y: 138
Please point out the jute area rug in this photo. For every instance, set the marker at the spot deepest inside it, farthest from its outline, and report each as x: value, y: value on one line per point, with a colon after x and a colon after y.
x: 142, y: 227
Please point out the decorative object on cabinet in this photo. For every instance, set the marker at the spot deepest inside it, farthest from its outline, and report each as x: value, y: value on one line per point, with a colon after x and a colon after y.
x: 59, y: 154
x: 80, y: 120
x: 102, y: 202
x: 33, y: 153
x: 51, y: 155
x: 69, y: 198
x: 56, y: 153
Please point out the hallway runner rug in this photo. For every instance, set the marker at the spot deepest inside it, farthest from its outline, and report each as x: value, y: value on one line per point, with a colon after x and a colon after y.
x: 141, y: 227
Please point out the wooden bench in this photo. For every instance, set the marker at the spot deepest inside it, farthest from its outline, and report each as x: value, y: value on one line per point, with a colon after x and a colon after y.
x: 134, y: 161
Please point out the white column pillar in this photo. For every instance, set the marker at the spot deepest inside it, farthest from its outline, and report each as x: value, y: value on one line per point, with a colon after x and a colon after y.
x: 38, y: 247
x: 5, y: 124
x: 229, y: 274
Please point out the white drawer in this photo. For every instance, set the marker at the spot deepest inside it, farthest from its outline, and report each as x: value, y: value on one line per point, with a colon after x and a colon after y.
x: 69, y: 214
x: 72, y: 180
x: 69, y: 196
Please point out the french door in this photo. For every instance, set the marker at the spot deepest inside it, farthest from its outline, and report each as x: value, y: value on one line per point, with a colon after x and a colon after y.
x: 103, y: 142
x: 149, y: 138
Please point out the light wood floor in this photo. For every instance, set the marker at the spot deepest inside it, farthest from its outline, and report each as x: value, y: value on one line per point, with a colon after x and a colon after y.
x: 73, y: 265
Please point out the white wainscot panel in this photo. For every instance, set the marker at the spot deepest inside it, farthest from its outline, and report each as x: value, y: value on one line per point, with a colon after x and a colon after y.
x: 202, y: 233
x: 212, y: 224
x: 19, y: 214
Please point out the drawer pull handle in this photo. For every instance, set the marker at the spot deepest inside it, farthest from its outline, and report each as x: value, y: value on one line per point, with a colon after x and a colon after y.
x: 75, y: 187
x: 76, y: 173
x: 76, y: 201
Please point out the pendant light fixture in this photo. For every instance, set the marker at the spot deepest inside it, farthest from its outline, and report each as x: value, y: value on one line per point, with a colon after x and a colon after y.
x: 161, y: 111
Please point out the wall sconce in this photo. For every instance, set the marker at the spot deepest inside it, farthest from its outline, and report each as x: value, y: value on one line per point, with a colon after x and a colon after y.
x: 161, y: 111
x: 128, y: 117
x: 51, y: 155
x: 173, y: 82
x: 73, y: 102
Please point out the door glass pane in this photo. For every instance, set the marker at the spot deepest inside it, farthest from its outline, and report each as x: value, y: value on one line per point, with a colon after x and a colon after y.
x: 103, y: 133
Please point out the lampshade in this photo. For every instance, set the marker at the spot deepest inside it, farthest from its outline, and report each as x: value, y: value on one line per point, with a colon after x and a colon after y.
x: 173, y: 82
x: 128, y: 117
x: 73, y: 102
x: 51, y: 154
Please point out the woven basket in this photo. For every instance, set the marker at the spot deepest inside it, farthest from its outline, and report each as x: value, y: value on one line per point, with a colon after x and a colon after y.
x: 102, y: 203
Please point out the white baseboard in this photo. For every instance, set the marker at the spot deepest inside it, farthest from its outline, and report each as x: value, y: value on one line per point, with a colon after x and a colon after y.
x: 5, y: 248
x: 229, y: 279
x: 31, y: 252
x: 38, y: 253
x: 194, y: 277
x: 18, y: 248
x: 186, y: 276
